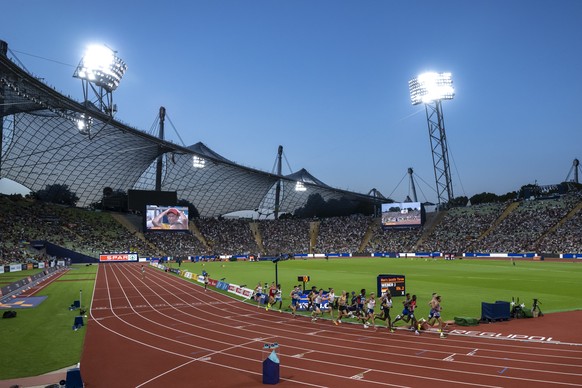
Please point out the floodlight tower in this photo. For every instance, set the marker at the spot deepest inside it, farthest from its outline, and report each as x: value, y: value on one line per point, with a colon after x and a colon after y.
x: 575, y: 168
x: 278, y: 187
x: 412, y: 185
x: 430, y: 89
x: 100, y: 71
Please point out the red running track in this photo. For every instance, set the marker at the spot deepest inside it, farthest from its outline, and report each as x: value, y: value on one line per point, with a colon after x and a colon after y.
x: 164, y: 331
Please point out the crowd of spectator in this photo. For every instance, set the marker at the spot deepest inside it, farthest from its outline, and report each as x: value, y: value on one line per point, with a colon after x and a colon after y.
x: 342, y: 234
x: 227, y: 236
x: 520, y: 230
x: 461, y: 227
x: 284, y: 236
x: 545, y: 226
x: 393, y: 240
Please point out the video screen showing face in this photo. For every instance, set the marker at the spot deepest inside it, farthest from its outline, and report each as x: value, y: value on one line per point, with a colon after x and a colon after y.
x: 166, y: 217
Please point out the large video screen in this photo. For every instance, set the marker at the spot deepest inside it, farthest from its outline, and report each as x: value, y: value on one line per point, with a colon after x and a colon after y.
x: 402, y: 215
x: 166, y: 218
x: 138, y: 199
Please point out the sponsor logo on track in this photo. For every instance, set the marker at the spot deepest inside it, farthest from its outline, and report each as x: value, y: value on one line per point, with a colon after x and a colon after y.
x: 488, y: 334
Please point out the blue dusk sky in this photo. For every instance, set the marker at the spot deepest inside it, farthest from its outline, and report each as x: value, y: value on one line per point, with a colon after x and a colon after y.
x: 328, y: 80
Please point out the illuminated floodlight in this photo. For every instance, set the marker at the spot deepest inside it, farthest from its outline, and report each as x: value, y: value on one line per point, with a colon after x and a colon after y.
x: 430, y: 87
x: 299, y: 186
x: 101, y: 67
x: 84, y: 124
x: 198, y: 162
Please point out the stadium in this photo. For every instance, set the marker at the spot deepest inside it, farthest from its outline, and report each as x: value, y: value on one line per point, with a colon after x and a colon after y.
x: 100, y: 191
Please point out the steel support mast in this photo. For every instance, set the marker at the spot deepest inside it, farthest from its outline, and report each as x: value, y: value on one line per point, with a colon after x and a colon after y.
x: 440, y: 152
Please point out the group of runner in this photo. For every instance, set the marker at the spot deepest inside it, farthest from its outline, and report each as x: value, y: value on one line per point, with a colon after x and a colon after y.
x: 360, y: 306
x: 271, y: 295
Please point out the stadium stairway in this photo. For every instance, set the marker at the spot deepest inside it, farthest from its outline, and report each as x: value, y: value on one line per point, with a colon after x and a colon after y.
x: 430, y: 224
x: 127, y: 223
x: 570, y: 214
x: 256, y: 232
x: 198, y: 234
x: 313, y: 233
x: 374, y: 225
x: 508, y: 210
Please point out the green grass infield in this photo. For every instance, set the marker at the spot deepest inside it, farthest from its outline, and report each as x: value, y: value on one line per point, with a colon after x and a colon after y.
x: 41, y: 339
x: 463, y: 284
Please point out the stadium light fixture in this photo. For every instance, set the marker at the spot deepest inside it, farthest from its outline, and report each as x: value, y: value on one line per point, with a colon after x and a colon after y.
x: 430, y: 87
x: 84, y: 124
x: 101, y: 67
x: 198, y: 162
x: 299, y: 186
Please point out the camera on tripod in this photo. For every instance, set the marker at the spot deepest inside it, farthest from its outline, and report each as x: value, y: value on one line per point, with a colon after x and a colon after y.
x: 535, y: 309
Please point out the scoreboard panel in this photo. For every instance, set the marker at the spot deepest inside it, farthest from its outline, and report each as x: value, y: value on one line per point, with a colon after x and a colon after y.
x: 396, y: 284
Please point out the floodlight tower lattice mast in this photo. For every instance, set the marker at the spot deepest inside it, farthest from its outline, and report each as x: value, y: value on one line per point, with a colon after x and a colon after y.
x: 412, y: 185
x: 278, y: 186
x: 575, y: 168
x: 430, y: 89
x: 160, y: 160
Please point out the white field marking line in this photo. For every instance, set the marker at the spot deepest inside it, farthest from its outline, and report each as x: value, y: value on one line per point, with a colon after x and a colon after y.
x: 316, y: 332
x: 221, y: 365
x: 250, y: 307
x: 300, y: 355
x: 421, y: 377
x: 360, y: 376
x: 183, y: 282
x: 473, y: 339
x: 192, y: 359
x: 227, y: 366
x: 472, y: 342
x: 206, y: 357
x: 164, y: 280
x: 472, y: 362
x: 381, y: 371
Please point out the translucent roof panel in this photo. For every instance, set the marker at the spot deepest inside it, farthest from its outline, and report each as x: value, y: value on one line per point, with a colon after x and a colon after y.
x: 43, y: 145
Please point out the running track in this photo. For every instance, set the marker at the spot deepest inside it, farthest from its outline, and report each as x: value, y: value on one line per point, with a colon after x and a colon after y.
x: 163, y: 331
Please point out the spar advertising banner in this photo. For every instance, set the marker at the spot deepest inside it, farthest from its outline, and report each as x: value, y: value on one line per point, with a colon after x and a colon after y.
x: 242, y: 291
x: 117, y: 257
